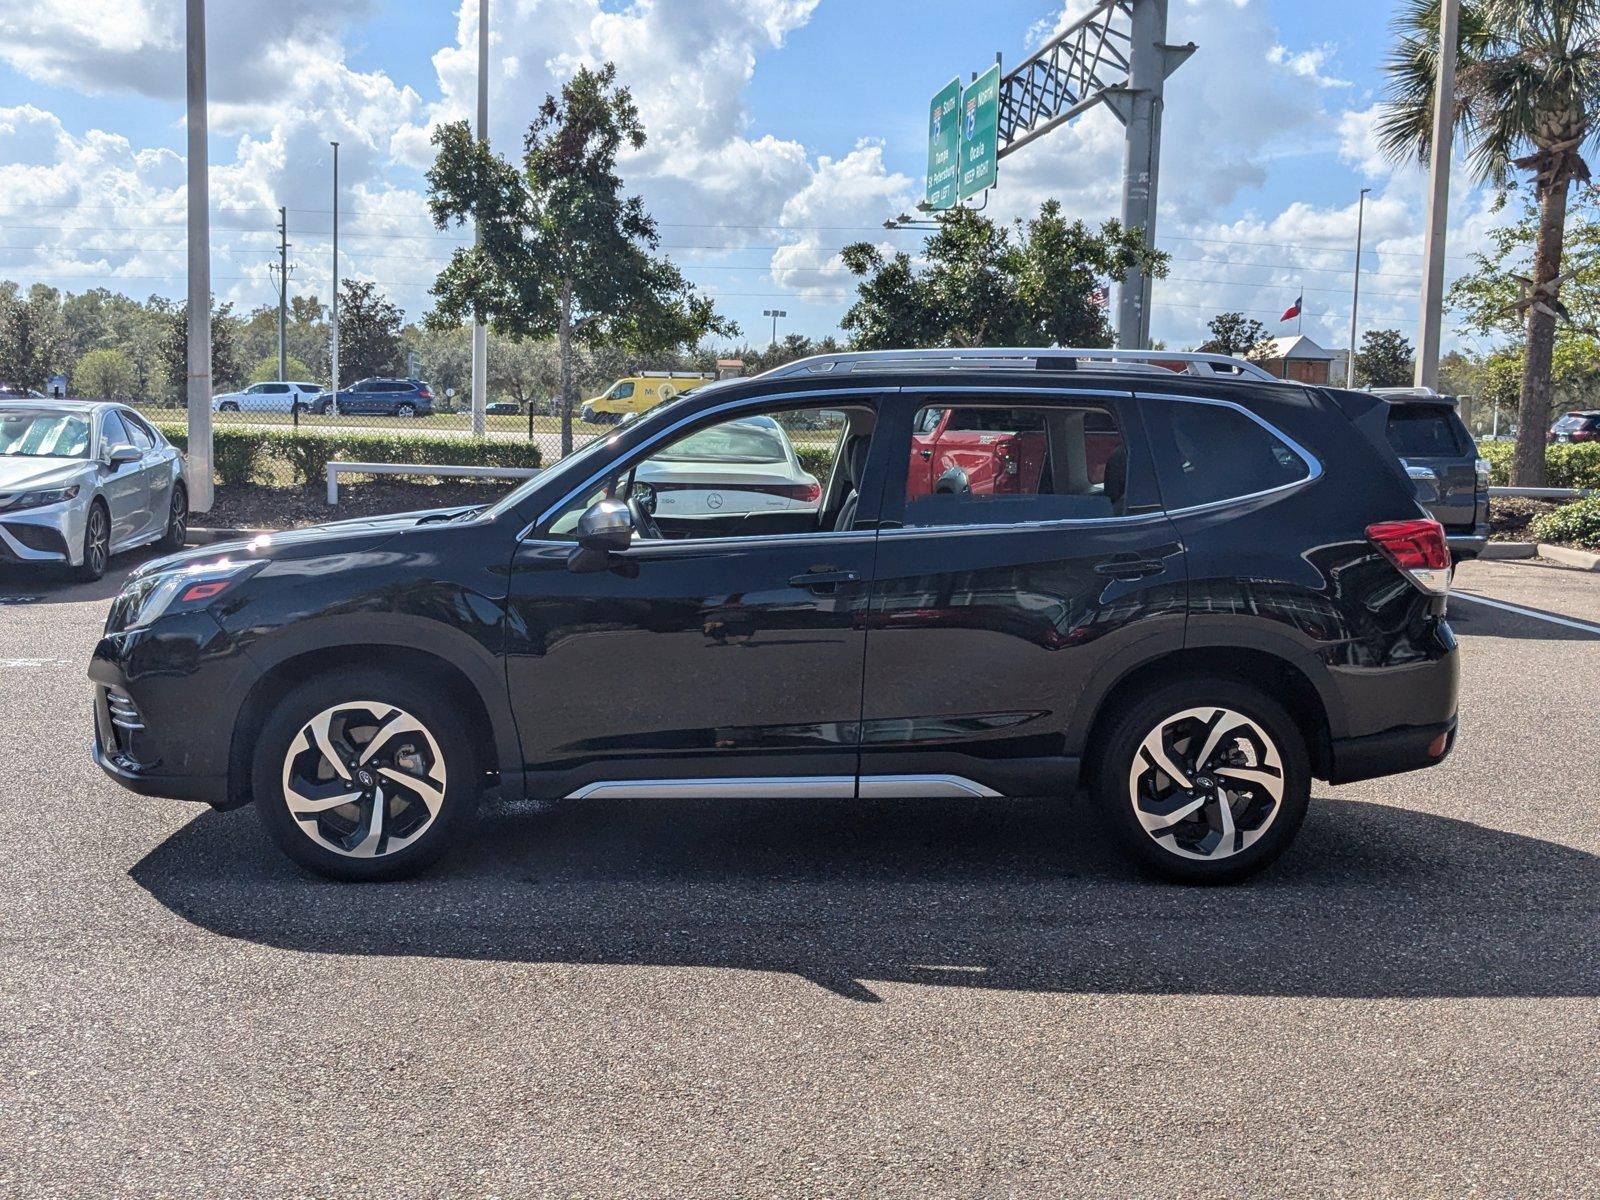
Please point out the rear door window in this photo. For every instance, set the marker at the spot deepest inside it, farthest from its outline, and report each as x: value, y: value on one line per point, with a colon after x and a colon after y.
x: 1421, y: 431
x: 1207, y: 453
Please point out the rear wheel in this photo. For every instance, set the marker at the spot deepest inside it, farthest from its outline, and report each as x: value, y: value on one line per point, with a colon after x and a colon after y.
x: 1203, y: 780
x: 365, y: 775
x: 96, y: 543
x: 228, y: 406
x: 405, y: 409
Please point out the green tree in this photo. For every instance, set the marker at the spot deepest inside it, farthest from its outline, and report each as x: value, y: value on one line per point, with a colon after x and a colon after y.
x: 105, y: 373
x: 1527, y: 97
x: 1384, y: 360
x: 562, y: 251
x: 369, y: 332
x: 1236, y: 334
x: 227, y: 372
x: 1037, y: 283
x: 266, y: 370
x: 32, y: 335
x: 524, y: 371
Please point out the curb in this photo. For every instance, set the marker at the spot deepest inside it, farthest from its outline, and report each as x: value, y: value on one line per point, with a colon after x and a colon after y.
x: 1581, y: 559
x: 208, y: 537
x: 1500, y: 550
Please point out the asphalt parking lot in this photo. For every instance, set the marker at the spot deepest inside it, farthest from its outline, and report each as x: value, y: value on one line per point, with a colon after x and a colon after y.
x: 681, y: 999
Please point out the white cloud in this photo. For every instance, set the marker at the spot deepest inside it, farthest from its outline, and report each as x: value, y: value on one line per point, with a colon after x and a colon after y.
x: 1308, y: 64
x: 844, y: 194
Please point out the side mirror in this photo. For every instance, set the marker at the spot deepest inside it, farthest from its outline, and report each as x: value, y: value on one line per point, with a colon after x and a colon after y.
x: 122, y: 455
x: 607, y: 526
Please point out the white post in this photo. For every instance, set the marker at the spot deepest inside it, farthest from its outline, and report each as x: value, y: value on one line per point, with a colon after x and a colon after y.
x: 198, y: 386
x: 335, y: 349
x: 1444, y: 104
x: 480, y: 334
x: 1355, y: 293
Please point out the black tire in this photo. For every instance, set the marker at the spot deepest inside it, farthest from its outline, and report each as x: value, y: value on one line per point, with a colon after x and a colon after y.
x: 1163, y: 855
x: 418, y: 697
x: 177, y: 520
x: 228, y: 406
x: 405, y: 409
x: 96, y: 543
x: 298, y: 407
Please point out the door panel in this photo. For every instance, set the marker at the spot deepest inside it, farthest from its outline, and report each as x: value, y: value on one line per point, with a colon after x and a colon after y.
x: 690, y: 659
x: 982, y: 636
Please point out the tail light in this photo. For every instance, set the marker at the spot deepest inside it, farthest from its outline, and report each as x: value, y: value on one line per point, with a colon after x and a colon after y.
x: 808, y: 493
x: 1482, y: 469
x: 1418, y: 549
x: 424, y: 394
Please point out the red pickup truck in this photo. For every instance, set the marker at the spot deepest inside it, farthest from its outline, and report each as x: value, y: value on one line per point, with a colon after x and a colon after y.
x: 993, y: 451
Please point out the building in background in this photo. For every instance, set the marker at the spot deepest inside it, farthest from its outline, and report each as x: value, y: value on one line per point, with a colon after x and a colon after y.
x: 1299, y: 358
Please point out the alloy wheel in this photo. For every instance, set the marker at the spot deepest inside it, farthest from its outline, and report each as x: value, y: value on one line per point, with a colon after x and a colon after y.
x: 1206, y: 783
x: 364, y: 779
x: 97, y: 546
x: 178, y: 518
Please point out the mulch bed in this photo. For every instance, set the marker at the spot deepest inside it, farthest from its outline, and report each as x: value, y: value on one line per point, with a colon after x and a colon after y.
x: 251, y: 506
x: 1509, y: 516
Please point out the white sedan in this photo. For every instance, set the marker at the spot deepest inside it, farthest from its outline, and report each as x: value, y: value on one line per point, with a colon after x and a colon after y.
x: 743, y: 466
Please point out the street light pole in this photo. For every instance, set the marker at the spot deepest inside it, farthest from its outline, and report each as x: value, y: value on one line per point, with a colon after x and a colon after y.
x: 1355, y: 292
x: 335, y: 349
x: 197, y: 389
x: 283, y: 293
x: 480, y: 334
x: 774, y: 313
x: 1444, y: 108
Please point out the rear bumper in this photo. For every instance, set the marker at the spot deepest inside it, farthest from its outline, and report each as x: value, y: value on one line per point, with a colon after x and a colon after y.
x: 1466, y: 546
x: 1408, y: 748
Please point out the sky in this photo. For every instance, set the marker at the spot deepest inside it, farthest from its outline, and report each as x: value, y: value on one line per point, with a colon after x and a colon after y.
x: 779, y: 131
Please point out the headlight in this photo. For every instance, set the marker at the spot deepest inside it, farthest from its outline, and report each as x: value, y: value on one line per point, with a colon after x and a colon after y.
x: 40, y: 498
x: 148, y: 597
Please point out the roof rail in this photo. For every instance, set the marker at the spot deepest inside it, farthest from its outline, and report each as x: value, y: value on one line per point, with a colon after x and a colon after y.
x: 1024, y: 358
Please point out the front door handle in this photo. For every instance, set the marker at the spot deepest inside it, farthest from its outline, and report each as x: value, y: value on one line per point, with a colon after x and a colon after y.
x: 1129, y: 568
x: 926, y: 454
x: 824, y: 581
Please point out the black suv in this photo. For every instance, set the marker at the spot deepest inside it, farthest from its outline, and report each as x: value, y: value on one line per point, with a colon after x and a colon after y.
x: 1192, y: 592
x: 1436, y: 448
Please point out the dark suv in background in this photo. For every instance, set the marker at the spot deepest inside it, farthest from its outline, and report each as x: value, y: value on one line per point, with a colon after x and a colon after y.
x: 1436, y: 448
x: 378, y: 397
x: 1193, y: 593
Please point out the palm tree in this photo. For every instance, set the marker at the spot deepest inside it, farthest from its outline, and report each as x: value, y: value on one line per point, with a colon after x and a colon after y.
x: 1527, y: 98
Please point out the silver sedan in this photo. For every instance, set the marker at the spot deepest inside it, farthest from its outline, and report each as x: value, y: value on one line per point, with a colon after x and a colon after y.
x: 81, y: 481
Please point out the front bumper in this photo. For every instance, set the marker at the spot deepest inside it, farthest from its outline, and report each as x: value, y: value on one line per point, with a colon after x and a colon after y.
x: 166, y: 699
x: 51, y: 533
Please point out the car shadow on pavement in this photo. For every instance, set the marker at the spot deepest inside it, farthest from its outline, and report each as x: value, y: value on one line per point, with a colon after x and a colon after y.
x: 49, y: 584
x: 1373, y: 901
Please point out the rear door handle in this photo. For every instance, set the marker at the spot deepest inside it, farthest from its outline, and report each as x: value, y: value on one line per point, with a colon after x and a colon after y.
x: 1129, y: 568
x: 824, y: 581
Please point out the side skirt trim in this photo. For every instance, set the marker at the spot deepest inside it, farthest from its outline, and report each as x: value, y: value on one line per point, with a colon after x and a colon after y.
x: 786, y: 787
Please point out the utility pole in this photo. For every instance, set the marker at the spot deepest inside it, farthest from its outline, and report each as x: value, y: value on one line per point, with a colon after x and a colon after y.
x: 1444, y: 109
x: 1355, y: 292
x: 1148, y: 67
x: 335, y: 350
x: 774, y: 313
x: 283, y: 293
x: 480, y: 334
x: 198, y: 386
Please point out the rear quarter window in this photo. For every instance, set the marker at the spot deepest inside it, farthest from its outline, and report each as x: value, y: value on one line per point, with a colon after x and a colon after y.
x: 1207, y: 453
x: 1423, y: 432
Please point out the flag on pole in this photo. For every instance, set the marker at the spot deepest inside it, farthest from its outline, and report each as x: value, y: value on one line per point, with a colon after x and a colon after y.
x: 1294, y: 309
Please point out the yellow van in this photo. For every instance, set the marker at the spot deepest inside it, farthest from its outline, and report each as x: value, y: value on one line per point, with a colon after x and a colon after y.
x: 639, y: 393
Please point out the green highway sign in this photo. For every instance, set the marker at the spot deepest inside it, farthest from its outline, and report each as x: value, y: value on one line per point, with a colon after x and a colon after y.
x: 980, y: 132
x: 944, y: 146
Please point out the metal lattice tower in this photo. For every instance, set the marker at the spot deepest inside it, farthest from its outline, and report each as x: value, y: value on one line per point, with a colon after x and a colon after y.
x: 1116, y: 54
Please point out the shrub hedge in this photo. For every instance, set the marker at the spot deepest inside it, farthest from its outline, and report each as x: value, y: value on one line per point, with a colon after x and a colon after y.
x: 285, y: 457
x: 1575, y: 524
x: 1574, y: 465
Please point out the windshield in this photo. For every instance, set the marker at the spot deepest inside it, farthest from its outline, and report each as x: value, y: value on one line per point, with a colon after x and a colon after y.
x: 573, y: 462
x: 736, y: 441
x: 43, y: 435
x: 1572, y: 421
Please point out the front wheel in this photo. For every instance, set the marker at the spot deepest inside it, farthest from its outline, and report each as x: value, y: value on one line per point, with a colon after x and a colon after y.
x: 365, y: 775
x: 1203, y: 780
x: 405, y: 410
x: 177, y: 520
x: 228, y: 406
x: 96, y: 543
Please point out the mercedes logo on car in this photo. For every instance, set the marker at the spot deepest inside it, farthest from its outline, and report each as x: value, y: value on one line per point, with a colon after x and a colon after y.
x: 714, y: 500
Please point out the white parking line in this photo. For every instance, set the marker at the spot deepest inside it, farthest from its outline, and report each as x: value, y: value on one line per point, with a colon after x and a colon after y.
x: 1527, y: 612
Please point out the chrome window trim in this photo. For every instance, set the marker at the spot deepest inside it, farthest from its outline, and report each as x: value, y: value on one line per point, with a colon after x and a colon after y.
x: 689, y: 419
x: 667, y: 547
